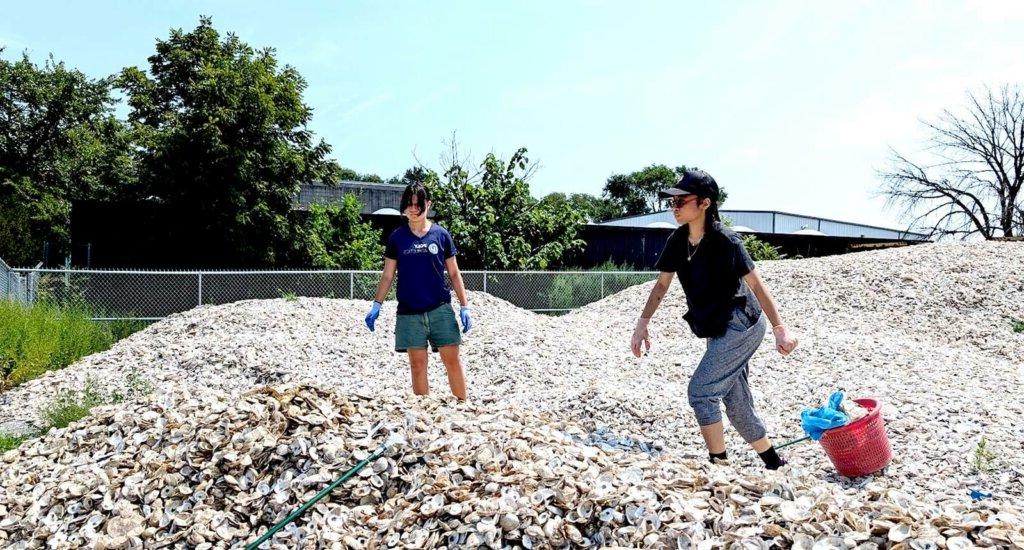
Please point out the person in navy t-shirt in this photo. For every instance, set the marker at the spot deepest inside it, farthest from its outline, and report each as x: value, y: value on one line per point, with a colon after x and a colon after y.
x: 420, y: 252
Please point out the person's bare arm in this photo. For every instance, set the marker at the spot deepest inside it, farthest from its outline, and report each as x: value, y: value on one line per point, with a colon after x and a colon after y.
x: 456, y: 276
x: 658, y: 292
x: 785, y: 342
x: 386, y: 277
x: 764, y: 297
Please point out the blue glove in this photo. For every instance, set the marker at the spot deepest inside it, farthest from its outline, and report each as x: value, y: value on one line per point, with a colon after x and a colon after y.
x: 466, y: 321
x: 371, y: 317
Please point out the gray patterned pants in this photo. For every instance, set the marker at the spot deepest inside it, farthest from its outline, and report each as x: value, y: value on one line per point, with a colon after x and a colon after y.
x: 721, y: 376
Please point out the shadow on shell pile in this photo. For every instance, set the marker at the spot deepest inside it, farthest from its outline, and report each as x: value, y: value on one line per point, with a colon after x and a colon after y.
x: 201, y: 470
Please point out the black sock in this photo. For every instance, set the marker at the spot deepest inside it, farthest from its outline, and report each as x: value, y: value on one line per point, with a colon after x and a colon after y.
x: 719, y: 456
x: 771, y: 459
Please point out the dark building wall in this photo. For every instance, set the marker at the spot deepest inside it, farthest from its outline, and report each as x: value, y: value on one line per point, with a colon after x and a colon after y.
x: 631, y: 246
x: 117, y: 235
x: 139, y: 235
x: 136, y: 235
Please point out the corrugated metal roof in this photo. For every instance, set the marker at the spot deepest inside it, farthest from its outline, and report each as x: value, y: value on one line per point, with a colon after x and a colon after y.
x: 770, y: 221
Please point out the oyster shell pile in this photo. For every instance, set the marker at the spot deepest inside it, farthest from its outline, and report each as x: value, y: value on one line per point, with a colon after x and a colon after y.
x: 199, y: 470
x: 926, y: 330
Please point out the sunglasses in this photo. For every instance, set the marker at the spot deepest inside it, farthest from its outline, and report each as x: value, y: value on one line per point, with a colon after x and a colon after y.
x: 679, y: 202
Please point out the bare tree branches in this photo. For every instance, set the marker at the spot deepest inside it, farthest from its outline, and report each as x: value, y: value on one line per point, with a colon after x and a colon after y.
x: 972, y: 183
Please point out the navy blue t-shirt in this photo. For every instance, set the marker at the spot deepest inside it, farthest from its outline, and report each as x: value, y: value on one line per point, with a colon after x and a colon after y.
x: 422, y: 285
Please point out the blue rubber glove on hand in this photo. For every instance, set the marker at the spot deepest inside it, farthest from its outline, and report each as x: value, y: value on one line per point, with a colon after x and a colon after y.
x: 466, y: 321
x: 371, y: 317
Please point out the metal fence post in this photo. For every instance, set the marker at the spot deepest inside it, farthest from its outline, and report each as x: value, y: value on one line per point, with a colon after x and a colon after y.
x: 602, y: 285
x: 485, y: 281
x: 200, y: 288
x: 352, y: 285
x: 32, y: 282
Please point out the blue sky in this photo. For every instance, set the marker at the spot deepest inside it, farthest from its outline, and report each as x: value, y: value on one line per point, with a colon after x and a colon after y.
x: 791, y: 106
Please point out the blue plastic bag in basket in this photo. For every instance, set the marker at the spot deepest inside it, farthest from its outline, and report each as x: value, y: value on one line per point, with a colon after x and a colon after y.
x: 816, y: 421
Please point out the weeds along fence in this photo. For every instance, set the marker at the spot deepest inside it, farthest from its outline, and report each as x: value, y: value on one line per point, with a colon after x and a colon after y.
x: 153, y: 295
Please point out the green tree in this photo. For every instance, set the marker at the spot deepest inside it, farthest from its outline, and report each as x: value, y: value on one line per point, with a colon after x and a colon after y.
x: 494, y: 220
x: 224, y: 143
x: 637, y: 193
x: 759, y: 250
x: 59, y: 142
x: 334, y: 236
x: 416, y: 174
x: 348, y: 174
x: 594, y: 209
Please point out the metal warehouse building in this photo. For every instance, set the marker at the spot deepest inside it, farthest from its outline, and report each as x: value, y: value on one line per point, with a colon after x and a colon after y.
x: 638, y: 240
x: 773, y: 222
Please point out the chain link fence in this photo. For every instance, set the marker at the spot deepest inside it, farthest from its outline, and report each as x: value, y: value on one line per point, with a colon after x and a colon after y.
x: 13, y: 285
x: 152, y: 295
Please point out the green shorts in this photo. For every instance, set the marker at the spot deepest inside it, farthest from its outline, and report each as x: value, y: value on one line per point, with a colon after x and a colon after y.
x: 437, y: 326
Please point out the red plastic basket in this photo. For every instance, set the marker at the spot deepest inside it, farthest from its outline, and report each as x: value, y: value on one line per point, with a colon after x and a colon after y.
x: 861, y: 447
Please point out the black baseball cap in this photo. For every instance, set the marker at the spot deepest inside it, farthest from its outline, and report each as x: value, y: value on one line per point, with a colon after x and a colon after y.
x: 693, y: 182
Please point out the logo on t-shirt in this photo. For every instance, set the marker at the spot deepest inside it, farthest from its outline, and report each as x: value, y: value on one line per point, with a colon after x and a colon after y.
x: 432, y: 248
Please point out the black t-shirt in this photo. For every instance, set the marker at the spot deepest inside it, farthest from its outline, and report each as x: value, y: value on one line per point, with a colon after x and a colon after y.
x: 712, y: 278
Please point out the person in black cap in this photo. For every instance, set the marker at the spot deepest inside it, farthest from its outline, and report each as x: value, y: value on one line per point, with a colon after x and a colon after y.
x: 727, y: 303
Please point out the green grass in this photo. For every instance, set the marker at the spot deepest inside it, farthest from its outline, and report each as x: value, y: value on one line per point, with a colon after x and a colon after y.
x: 120, y: 329
x: 569, y: 291
x: 69, y: 406
x: 984, y: 458
x: 8, y: 442
x: 46, y: 336
x: 288, y: 296
x: 42, y: 337
x: 1018, y: 325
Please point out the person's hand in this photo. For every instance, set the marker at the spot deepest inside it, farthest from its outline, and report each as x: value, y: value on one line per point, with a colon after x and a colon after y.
x: 785, y: 342
x: 371, y: 317
x: 467, y: 323
x: 640, y: 336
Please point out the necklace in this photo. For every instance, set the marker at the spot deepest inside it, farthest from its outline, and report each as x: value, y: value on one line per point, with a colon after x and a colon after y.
x: 689, y: 255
